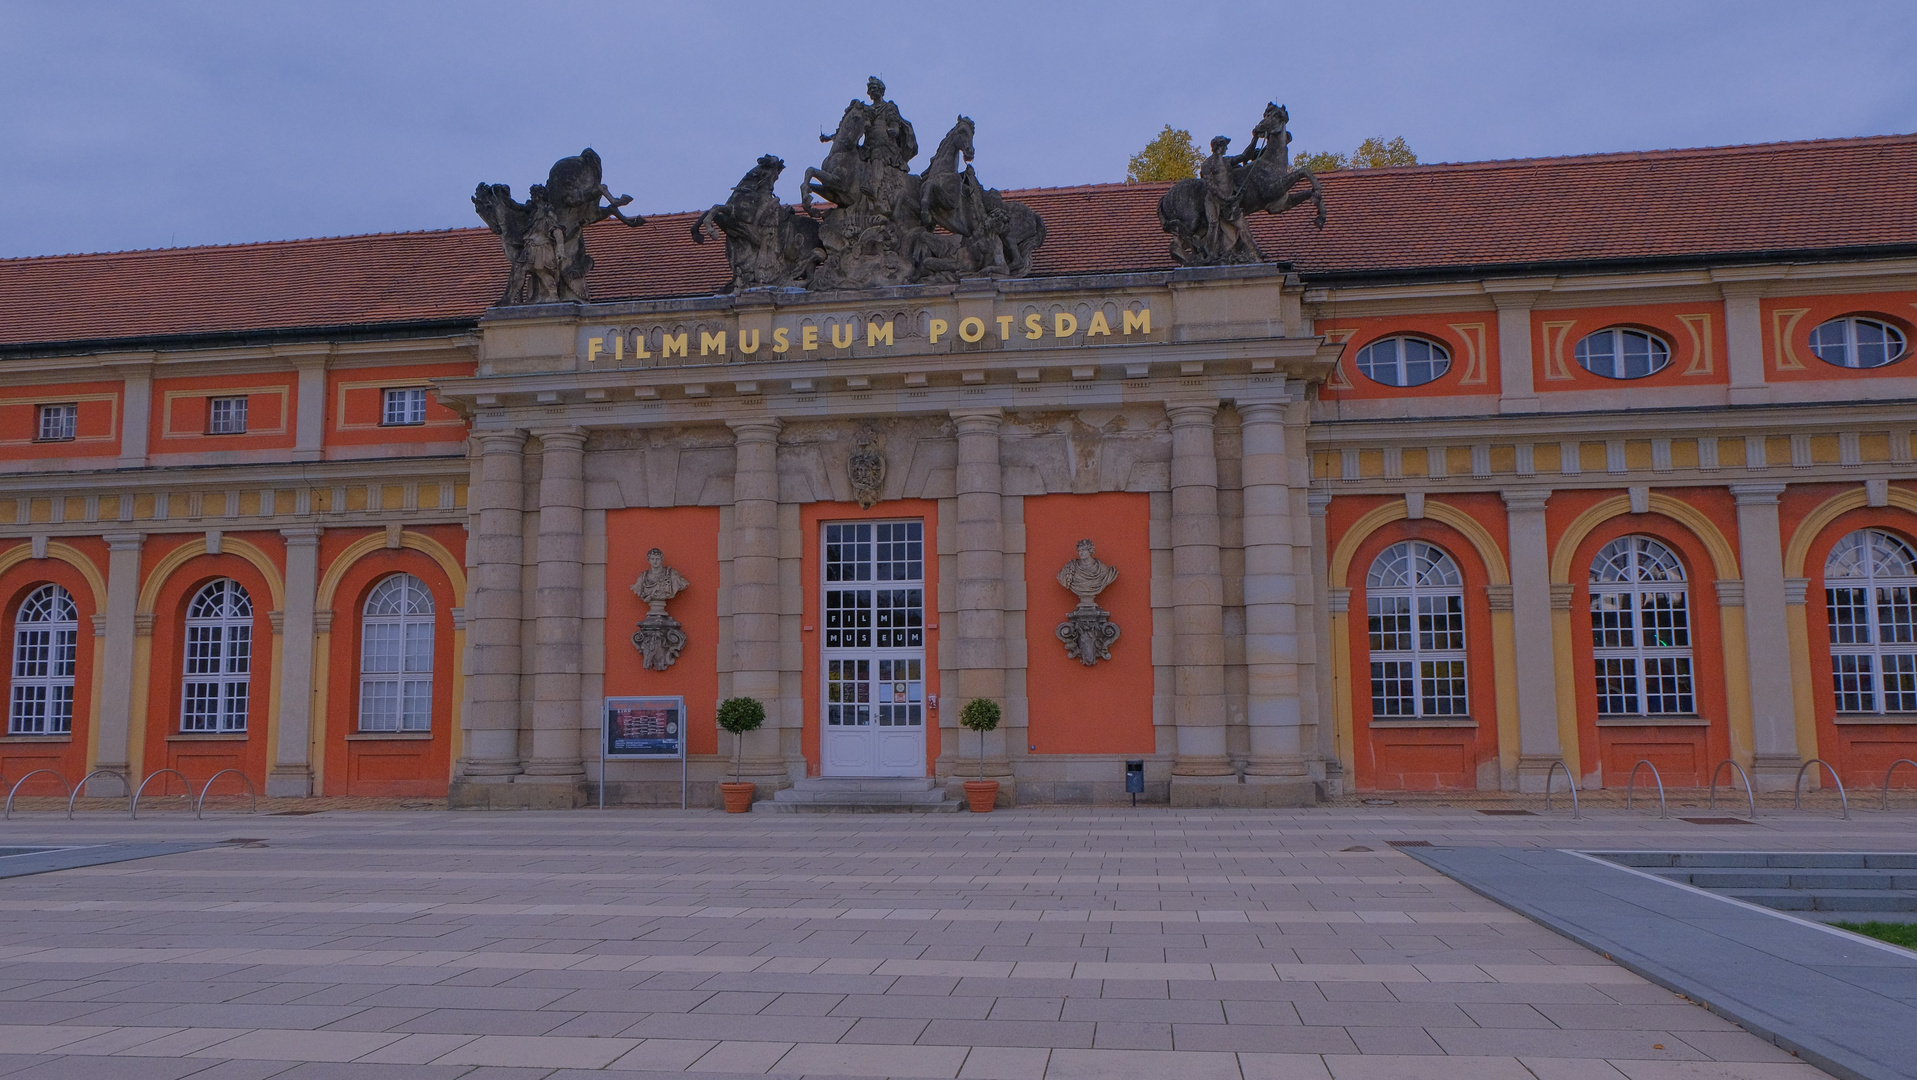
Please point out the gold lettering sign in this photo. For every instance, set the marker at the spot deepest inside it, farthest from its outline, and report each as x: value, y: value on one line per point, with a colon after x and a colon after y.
x: 880, y: 336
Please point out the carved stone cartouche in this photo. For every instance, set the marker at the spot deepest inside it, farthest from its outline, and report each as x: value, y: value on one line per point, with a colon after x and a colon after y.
x: 544, y: 237
x: 1088, y: 632
x: 660, y: 639
x: 1205, y: 215
x: 866, y: 470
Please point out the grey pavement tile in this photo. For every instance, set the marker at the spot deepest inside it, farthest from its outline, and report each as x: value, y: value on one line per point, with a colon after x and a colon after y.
x: 1145, y: 1010
x: 752, y: 1028
x: 382, y: 1018
x: 1504, y: 1015
x: 112, y: 1068
x: 739, y: 1002
x: 1664, y: 1017
x: 1610, y: 1045
x: 1132, y: 1035
x: 1392, y: 1040
x: 914, y: 1006
x: 1734, y: 1045
x: 804, y: 1004
x: 878, y: 1029
x: 483, y: 1022
x: 1263, y: 1038
x: 1026, y: 1008
x: 1008, y: 1033
x: 1383, y: 1014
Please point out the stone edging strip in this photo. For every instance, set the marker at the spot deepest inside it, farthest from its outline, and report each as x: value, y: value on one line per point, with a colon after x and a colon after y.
x: 76, y: 856
x: 1847, y: 1007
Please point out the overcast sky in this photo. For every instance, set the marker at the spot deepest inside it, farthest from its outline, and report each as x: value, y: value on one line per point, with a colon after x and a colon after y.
x: 153, y: 124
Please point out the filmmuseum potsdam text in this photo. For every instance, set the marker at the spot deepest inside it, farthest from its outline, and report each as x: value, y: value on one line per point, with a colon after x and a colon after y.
x: 1287, y: 486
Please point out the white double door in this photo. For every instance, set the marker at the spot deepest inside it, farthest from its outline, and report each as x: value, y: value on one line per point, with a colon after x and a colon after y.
x: 873, y: 648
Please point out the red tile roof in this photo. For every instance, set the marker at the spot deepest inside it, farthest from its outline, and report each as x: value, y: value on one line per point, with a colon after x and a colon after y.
x: 1725, y: 202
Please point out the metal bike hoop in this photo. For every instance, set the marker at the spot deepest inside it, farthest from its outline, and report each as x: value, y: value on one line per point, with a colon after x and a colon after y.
x: 134, y: 810
x: 1550, y: 775
x: 1749, y: 795
x: 1630, y: 789
x: 253, y: 809
x: 16, y: 786
x: 81, y: 786
x: 1797, y: 789
x: 1892, y: 769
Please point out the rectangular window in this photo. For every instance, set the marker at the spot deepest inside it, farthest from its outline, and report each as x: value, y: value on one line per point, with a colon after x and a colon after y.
x: 226, y: 416
x: 404, y: 406
x: 58, y: 422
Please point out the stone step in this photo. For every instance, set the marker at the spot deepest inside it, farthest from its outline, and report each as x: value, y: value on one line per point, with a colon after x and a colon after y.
x: 1809, y: 860
x: 1851, y: 900
x: 1793, y: 879
x: 860, y: 794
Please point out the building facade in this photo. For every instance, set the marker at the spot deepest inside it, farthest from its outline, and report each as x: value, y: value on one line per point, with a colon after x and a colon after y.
x: 1582, y: 461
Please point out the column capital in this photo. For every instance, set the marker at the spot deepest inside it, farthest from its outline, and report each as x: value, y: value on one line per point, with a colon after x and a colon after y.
x: 1525, y: 499
x: 124, y: 541
x: 1261, y: 412
x: 1317, y: 502
x: 1499, y: 597
x: 1192, y: 413
x: 978, y: 421
x: 509, y: 441
x: 1561, y: 596
x: 302, y: 535
x: 1795, y: 590
x: 1757, y: 494
x: 1518, y: 294
x: 1730, y: 592
x: 562, y: 438
x: 761, y: 429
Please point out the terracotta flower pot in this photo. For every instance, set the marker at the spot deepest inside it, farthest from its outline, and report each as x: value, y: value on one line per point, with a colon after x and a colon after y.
x: 981, y: 795
x: 738, y: 797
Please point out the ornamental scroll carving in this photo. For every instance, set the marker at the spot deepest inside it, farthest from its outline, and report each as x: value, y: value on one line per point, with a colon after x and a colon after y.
x: 660, y: 639
x: 1088, y: 632
x: 1206, y: 215
x: 886, y: 226
x: 866, y: 470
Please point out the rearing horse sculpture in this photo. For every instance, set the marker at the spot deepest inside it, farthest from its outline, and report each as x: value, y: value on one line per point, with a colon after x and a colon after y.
x: 838, y: 178
x: 942, y: 186
x: 1269, y: 180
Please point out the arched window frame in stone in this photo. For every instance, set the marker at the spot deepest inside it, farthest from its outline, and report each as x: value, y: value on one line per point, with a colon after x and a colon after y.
x: 1870, y: 589
x: 1641, y: 630
x: 396, y: 656
x: 218, y: 665
x: 46, y: 637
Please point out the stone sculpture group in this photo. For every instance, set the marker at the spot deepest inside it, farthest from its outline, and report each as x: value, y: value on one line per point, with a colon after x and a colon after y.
x: 885, y: 225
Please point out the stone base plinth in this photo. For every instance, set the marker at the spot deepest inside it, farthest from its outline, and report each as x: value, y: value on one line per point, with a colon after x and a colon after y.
x: 1778, y: 772
x: 1229, y: 791
x: 289, y: 783
x: 522, y: 794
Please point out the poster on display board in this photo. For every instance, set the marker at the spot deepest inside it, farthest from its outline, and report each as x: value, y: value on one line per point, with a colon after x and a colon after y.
x: 643, y: 729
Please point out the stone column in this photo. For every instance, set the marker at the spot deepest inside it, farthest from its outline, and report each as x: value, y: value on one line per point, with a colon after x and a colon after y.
x: 136, y: 417
x: 1273, y: 700
x: 490, y: 713
x: 755, y: 596
x: 1776, y: 754
x: 1198, y: 595
x: 116, y: 682
x: 1744, y: 343
x: 292, y: 773
x: 980, y: 592
x: 558, y: 591
x: 1317, y: 504
x: 1538, y: 743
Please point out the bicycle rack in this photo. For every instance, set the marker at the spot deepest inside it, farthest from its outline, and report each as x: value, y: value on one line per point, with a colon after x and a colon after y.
x: 16, y: 787
x: 1550, y: 775
x: 1630, y: 789
x: 1892, y: 769
x: 254, y: 795
x: 1797, y: 789
x: 134, y: 811
x: 81, y: 786
x: 1749, y: 795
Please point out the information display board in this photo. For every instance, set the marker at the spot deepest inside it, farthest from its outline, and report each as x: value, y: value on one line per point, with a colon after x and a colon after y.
x: 643, y: 729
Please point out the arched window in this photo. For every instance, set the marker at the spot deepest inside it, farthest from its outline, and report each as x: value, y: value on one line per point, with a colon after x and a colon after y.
x: 1855, y: 342
x: 396, y: 657
x: 1414, y: 614
x: 1403, y: 361
x: 1870, y: 583
x: 1623, y: 353
x: 46, y: 636
x: 1641, y: 630
x: 219, y: 658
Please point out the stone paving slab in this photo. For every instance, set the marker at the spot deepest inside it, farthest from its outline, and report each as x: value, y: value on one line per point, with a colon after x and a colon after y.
x: 1840, y: 1001
x: 1028, y: 945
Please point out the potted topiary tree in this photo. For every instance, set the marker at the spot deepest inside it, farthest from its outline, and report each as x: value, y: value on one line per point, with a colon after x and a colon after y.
x: 980, y: 715
x: 739, y: 715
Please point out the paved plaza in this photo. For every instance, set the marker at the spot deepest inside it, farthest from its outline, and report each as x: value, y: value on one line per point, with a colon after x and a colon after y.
x: 1024, y: 945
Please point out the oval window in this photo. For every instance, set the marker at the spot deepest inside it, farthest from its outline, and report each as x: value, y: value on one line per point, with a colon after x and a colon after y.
x: 1620, y: 353
x: 1403, y: 361
x: 1854, y: 342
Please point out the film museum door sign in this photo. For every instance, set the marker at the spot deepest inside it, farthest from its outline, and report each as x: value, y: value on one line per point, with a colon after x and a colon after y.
x: 874, y: 649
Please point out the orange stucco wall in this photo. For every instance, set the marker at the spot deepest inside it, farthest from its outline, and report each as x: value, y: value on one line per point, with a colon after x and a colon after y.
x: 1789, y: 320
x: 1471, y: 337
x: 1106, y: 708
x: 96, y: 426
x: 1695, y: 333
x: 811, y: 517
x: 688, y: 537
x: 64, y: 754
x: 180, y: 413
x: 355, y: 405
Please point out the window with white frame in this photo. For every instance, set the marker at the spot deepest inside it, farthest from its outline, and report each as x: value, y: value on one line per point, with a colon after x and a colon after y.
x: 1856, y: 342
x: 219, y: 658
x: 1403, y: 361
x: 226, y: 416
x: 1641, y: 630
x: 1623, y: 353
x: 1870, y: 586
x: 404, y: 405
x: 46, y: 638
x: 58, y: 423
x: 396, y: 656
x: 1414, y: 616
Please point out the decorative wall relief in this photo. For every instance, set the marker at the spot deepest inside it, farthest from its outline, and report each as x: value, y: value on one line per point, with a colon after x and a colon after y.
x: 866, y: 469
x: 660, y: 638
x: 1088, y: 632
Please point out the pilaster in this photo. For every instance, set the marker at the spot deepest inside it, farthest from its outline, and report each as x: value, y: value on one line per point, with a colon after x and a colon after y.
x: 557, y: 660
x: 1273, y: 711
x: 1534, y: 632
x: 1198, y: 594
x: 755, y: 597
x: 980, y: 596
x: 490, y: 712
x: 1517, y: 390
x: 292, y: 773
x: 116, y: 681
x: 1776, y: 755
